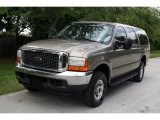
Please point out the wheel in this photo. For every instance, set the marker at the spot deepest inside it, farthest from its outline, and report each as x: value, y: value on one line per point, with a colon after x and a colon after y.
x: 31, y: 89
x: 140, y: 70
x: 95, y: 92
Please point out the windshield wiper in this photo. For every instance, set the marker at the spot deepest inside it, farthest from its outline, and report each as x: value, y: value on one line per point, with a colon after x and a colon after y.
x: 85, y: 39
x: 62, y: 37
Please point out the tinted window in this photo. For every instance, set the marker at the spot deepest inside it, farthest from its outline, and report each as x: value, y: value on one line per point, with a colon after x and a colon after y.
x: 142, y: 36
x: 132, y: 35
x: 120, y: 33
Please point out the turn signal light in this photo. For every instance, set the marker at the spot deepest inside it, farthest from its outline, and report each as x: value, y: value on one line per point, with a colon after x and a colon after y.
x: 79, y: 68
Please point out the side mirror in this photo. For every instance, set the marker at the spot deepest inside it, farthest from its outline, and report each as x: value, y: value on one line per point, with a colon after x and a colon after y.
x: 118, y: 44
x: 127, y: 44
x: 118, y: 41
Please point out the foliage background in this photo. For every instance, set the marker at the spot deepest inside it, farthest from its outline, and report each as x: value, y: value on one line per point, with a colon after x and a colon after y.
x: 44, y: 22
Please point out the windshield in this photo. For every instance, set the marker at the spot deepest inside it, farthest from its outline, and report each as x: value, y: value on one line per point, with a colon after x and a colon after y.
x: 87, y: 31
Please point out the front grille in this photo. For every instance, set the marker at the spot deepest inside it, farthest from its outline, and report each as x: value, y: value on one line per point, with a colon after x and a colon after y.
x: 44, y: 60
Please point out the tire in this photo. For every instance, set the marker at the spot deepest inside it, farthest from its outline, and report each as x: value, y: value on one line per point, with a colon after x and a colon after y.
x: 140, y: 71
x: 93, y: 96
x: 31, y: 89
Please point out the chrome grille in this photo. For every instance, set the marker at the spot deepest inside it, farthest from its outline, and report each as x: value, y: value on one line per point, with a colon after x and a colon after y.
x: 44, y: 60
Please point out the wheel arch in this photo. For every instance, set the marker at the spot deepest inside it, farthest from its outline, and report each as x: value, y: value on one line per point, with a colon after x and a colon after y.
x: 103, y: 67
x: 144, y: 58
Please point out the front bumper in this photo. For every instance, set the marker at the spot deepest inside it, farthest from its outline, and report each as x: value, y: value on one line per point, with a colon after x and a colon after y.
x: 72, y: 79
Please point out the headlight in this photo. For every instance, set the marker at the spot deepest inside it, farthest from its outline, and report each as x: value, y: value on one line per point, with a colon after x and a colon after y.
x: 19, y: 56
x: 76, y: 61
x: 77, y: 64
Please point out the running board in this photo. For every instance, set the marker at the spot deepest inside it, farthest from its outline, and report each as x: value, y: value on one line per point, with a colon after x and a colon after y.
x: 122, y: 78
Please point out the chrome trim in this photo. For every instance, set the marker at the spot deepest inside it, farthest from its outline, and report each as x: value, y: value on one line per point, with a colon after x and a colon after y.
x: 40, y: 49
x: 60, y: 69
x: 61, y: 54
x: 60, y: 60
x: 72, y: 78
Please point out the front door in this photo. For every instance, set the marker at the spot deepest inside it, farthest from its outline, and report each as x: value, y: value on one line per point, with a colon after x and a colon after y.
x: 119, y: 56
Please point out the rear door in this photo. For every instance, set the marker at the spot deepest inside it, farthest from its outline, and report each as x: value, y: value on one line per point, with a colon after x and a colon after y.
x: 135, y: 51
x: 119, y: 57
x: 144, y: 42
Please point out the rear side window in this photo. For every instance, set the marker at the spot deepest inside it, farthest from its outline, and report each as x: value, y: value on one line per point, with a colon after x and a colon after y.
x: 132, y: 35
x: 120, y: 33
x: 142, y: 37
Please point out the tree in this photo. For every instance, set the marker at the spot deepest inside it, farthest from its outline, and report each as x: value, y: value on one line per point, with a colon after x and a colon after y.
x: 44, y: 22
x: 16, y: 21
x: 145, y: 18
x: 51, y: 20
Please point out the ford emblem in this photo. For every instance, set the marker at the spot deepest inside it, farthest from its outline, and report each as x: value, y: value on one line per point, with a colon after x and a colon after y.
x: 38, y: 59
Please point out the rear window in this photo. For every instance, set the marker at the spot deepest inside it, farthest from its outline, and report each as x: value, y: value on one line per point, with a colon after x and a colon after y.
x: 142, y: 37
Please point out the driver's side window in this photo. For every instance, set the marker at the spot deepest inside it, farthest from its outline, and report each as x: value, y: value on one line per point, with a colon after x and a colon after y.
x: 120, y: 33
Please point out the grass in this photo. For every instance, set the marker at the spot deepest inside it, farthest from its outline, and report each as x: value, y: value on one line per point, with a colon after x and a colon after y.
x: 8, y: 82
x: 155, y: 54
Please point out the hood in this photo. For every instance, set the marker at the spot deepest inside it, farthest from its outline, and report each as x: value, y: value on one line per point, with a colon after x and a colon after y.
x: 73, y: 47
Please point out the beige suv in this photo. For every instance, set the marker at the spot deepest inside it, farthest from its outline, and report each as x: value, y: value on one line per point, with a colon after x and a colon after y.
x: 85, y: 56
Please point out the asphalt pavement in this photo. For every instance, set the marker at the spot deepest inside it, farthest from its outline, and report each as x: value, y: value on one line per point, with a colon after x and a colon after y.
x: 127, y: 97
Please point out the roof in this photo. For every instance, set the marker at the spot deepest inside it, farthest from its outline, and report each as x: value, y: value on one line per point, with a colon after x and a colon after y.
x: 96, y: 22
x: 111, y: 23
